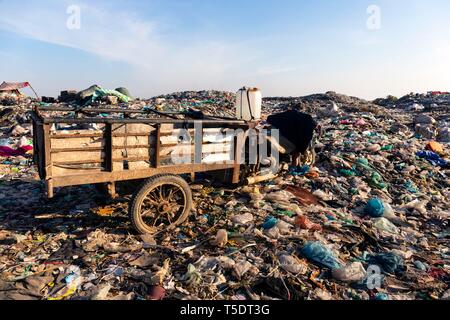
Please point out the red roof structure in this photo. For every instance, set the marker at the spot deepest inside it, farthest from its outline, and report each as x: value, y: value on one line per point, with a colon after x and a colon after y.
x: 12, y: 86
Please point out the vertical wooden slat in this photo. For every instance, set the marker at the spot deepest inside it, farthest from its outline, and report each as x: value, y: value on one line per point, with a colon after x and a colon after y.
x: 40, y: 150
x: 48, y: 160
x: 112, y: 189
x: 238, y: 145
x: 198, y: 143
x: 158, y: 147
x: 109, y: 165
x: 108, y: 148
x: 35, y: 146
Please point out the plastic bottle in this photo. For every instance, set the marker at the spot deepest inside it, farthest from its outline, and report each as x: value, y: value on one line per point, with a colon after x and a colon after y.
x: 248, y: 104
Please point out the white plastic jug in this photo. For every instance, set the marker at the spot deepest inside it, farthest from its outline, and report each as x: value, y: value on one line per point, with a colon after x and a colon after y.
x: 248, y: 104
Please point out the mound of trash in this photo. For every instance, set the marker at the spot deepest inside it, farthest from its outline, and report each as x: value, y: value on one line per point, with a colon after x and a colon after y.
x: 368, y: 222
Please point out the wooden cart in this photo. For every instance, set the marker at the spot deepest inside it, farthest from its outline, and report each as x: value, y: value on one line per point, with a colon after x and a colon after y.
x: 104, y: 146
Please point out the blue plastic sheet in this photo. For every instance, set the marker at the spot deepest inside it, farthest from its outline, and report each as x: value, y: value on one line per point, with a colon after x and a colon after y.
x: 270, y: 223
x: 375, y: 208
x: 316, y: 252
x: 388, y: 262
x: 432, y: 158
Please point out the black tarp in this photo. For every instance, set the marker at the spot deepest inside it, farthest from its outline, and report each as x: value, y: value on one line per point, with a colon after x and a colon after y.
x: 295, y: 126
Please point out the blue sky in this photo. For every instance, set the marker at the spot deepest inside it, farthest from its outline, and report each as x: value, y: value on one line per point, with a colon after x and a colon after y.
x: 285, y: 47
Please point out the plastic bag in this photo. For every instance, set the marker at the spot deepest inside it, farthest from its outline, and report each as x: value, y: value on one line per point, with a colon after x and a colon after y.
x: 353, y: 272
x: 293, y: 264
x: 315, y: 251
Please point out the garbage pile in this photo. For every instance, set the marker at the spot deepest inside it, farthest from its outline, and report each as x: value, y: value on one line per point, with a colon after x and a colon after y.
x: 214, y: 103
x: 95, y: 94
x: 432, y: 122
x: 368, y: 222
x: 417, y: 102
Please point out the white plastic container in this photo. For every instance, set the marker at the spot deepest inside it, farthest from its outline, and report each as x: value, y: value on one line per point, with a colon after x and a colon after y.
x: 248, y: 104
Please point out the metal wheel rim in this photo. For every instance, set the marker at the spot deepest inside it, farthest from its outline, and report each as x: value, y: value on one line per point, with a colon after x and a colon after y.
x: 153, y: 205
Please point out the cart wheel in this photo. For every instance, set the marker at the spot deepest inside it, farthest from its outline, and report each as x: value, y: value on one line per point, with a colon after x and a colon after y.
x: 164, y: 201
x: 309, y: 157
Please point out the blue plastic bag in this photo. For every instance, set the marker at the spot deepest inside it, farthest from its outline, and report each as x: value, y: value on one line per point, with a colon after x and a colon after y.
x: 432, y: 158
x: 270, y: 223
x: 316, y: 252
x: 389, y: 262
x: 375, y: 208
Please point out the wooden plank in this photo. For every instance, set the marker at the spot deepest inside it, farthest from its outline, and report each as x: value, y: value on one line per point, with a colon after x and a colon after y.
x: 126, y: 130
x: 83, y: 135
x: 218, y: 158
x: 67, y: 171
x: 47, y: 151
x: 139, y: 165
x: 206, y: 148
x: 89, y: 142
x: 108, y: 149
x: 104, y: 177
x: 198, y: 144
x: 40, y: 151
x: 239, y: 144
x: 134, y: 152
x: 158, y: 147
x: 143, y: 146
x: 68, y: 163
x: 177, y: 132
x: 35, y: 144
x: 48, y: 161
x: 137, y: 134
x: 85, y: 149
x: 136, y: 165
x: 78, y: 156
x: 148, y: 139
x: 111, y: 186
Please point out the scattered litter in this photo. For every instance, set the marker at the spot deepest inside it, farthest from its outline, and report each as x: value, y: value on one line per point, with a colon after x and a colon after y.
x: 375, y: 196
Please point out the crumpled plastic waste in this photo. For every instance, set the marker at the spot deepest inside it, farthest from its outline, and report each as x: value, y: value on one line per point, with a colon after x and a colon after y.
x: 243, y: 219
x: 432, y: 158
x: 388, y: 262
x: 352, y: 272
x: 270, y: 223
x: 299, y: 171
x: 10, y: 152
x: 192, y: 276
x: 293, y: 264
x: 374, y: 208
x: 316, y: 252
x: 385, y: 225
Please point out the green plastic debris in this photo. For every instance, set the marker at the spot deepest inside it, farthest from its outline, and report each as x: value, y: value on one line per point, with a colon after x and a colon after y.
x: 347, y: 173
x: 125, y: 92
x: 100, y: 93
x: 95, y: 92
x: 376, y: 181
x: 290, y: 214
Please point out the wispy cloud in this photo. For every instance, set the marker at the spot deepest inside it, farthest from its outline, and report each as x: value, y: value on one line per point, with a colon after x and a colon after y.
x: 123, y: 36
x: 166, y: 52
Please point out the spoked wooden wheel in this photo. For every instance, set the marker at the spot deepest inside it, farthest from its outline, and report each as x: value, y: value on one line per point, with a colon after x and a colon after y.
x: 164, y: 201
